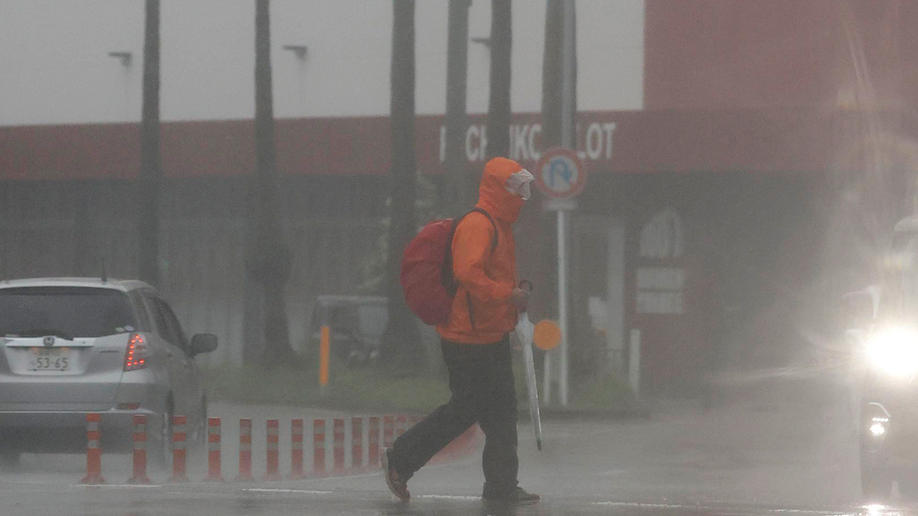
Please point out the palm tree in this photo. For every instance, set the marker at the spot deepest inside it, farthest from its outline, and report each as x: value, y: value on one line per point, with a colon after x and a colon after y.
x: 400, y: 345
x: 551, y: 75
x: 499, y: 99
x: 150, y: 163
x: 268, y: 256
x: 460, y: 187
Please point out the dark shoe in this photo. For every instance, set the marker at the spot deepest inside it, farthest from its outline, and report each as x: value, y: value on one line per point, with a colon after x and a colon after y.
x: 518, y: 496
x: 398, y: 486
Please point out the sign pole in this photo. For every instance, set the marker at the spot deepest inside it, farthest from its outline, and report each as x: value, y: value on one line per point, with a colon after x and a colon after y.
x: 561, y: 176
x: 562, y: 306
x: 547, y: 337
x: 567, y: 141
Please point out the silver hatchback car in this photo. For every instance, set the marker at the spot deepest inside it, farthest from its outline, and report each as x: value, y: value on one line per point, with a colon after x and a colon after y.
x: 70, y: 346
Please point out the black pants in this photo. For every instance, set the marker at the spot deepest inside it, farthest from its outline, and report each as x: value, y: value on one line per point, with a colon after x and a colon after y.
x: 481, y: 383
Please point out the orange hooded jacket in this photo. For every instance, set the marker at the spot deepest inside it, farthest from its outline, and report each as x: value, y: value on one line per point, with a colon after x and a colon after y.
x: 486, y: 280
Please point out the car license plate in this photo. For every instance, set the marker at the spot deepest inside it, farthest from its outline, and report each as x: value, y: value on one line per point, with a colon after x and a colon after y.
x: 50, y: 359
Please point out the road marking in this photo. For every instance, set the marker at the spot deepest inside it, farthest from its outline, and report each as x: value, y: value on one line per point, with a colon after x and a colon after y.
x: 119, y: 486
x: 345, y: 477
x: 612, y: 472
x: 450, y: 497
x: 701, y: 507
x: 646, y: 505
x: 275, y: 490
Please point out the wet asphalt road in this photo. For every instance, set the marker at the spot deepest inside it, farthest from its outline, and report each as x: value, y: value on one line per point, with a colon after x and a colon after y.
x: 788, y: 451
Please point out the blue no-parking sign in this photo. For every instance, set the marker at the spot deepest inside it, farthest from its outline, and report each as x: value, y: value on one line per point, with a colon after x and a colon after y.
x: 559, y: 174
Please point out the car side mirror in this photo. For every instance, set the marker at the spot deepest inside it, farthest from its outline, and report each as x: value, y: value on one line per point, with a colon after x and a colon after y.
x: 203, y: 343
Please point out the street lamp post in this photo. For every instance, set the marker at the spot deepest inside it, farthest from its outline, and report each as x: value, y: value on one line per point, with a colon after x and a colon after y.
x: 301, y: 52
x: 126, y: 59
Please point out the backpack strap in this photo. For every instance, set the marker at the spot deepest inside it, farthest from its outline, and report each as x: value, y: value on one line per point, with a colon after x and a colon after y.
x: 490, y: 219
x: 447, y: 272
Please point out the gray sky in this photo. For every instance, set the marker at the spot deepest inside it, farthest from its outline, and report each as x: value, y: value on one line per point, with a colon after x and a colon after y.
x: 56, y: 68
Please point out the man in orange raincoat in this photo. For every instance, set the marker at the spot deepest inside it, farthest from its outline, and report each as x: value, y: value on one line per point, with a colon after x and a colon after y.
x: 476, y: 344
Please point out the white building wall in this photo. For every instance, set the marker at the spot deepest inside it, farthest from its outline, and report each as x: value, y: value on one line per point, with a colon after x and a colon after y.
x: 55, y: 68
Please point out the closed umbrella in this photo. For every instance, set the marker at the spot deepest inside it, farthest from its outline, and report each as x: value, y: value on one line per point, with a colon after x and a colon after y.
x: 524, y: 333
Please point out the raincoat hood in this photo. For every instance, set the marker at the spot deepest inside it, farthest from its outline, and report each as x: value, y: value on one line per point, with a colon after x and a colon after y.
x: 493, y: 196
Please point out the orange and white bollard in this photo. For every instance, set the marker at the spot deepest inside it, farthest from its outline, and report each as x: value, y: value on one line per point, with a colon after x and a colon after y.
x: 318, y: 447
x: 214, y: 443
x: 373, y: 443
x: 93, y: 450
x: 296, y: 449
x: 357, y: 443
x: 245, y: 450
x: 273, y: 460
x: 401, y: 425
x: 388, y: 431
x: 140, y: 450
x: 339, y: 446
x: 178, y: 449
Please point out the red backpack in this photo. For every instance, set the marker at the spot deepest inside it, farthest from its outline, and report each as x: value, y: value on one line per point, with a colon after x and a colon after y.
x: 427, y: 269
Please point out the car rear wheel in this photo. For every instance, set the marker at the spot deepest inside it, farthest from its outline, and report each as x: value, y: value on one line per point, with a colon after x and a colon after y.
x: 198, y: 436
x: 160, y: 449
x: 202, y: 435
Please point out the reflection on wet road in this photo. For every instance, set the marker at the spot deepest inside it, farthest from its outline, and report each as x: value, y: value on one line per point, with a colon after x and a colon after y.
x: 788, y: 453
x: 228, y: 500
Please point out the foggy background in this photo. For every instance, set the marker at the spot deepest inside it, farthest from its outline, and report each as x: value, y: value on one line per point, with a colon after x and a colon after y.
x: 747, y: 163
x: 60, y: 72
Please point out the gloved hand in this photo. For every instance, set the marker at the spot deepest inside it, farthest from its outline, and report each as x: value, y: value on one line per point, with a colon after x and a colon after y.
x: 520, y: 296
x: 520, y: 299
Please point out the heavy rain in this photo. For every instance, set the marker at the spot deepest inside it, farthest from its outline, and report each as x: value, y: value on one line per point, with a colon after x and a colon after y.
x: 275, y: 257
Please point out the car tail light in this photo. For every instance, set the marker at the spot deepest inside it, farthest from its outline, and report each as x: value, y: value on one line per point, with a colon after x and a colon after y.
x: 137, y: 353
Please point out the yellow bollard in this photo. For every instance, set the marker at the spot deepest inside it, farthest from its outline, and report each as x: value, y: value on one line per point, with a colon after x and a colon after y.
x: 324, y: 350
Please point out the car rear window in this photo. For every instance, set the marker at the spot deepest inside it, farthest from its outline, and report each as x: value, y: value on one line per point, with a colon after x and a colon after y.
x: 66, y: 312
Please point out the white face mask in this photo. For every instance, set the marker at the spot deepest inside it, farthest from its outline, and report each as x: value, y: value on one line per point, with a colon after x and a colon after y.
x: 518, y: 184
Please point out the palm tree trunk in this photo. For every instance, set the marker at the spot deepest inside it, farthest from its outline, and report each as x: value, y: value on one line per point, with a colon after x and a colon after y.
x: 401, y: 345
x: 150, y: 164
x: 499, y: 99
x: 268, y: 257
x: 551, y: 75
x: 460, y: 186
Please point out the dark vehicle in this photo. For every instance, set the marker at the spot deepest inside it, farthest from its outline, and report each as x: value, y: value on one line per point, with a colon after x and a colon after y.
x: 356, y: 327
x: 889, y: 398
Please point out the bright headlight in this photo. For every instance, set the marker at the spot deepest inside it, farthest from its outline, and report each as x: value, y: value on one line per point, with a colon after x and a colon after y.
x: 877, y: 429
x: 894, y: 351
